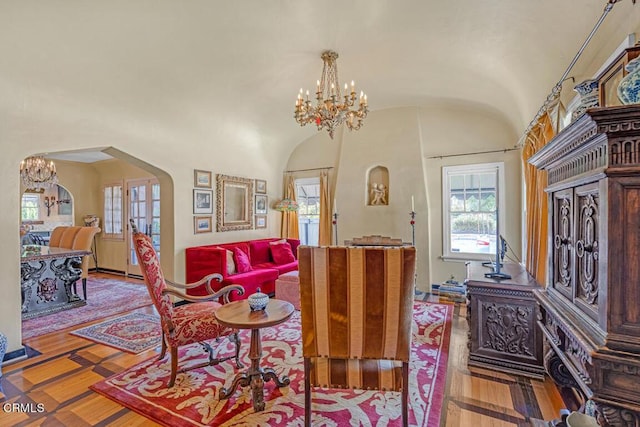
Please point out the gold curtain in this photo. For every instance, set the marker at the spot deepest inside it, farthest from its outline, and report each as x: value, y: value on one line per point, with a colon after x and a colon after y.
x: 324, y: 236
x: 289, y: 227
x: 536, y: 198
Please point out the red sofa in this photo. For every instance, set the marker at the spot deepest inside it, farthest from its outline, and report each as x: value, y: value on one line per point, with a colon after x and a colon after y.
x: 203, y: 260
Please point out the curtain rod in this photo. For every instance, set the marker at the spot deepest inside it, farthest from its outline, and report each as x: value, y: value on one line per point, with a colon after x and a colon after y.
x: 555, y: 92
x: 504, y: 150
x: 310, y: 169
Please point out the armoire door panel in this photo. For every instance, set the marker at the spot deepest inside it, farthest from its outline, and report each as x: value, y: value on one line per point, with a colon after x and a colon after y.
x: 587, y: 249
x: 563, y: 243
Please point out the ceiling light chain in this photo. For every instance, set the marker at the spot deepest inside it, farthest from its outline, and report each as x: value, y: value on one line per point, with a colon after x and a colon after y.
x: 332, y: 107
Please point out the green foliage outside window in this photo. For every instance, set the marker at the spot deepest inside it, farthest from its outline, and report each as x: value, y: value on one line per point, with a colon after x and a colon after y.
x: 30, y: 210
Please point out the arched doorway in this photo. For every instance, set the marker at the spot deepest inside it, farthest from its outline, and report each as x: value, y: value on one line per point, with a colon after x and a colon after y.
x: 83, y: 177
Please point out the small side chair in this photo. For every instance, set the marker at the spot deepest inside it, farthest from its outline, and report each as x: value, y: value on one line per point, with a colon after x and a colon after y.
x: 188, y: 323
x: 76, y: 237
x: 84, y: 241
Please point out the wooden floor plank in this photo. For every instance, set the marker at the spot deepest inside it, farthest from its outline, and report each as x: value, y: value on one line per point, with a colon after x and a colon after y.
x: 59, y: 378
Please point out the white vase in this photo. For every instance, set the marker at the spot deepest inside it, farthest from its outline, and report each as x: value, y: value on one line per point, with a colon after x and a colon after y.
x: 629, y: 86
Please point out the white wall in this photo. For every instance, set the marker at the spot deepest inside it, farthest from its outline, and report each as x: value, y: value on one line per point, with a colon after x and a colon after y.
x: 403, y: 140
x: 454, y: 129
x: 390, y: 138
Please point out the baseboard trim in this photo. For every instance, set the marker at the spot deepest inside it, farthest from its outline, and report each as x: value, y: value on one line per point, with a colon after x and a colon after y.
x: 15, y: 355
x: 116, y: 273
x: 108, y: 270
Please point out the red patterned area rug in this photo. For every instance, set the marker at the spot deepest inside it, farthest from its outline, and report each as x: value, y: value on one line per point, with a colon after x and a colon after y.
x: 193, y: 401
x: 105, y: 297
x: 135, y: 332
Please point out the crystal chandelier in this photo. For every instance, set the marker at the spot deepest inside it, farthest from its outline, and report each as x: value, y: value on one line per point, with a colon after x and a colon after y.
x: 332, y: 108
x: 37, y: 173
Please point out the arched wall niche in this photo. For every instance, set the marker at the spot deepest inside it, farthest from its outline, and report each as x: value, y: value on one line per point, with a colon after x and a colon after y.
x: 377, y: 186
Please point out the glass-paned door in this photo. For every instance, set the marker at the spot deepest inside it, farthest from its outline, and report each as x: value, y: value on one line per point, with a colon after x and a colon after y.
x: 143, y: 201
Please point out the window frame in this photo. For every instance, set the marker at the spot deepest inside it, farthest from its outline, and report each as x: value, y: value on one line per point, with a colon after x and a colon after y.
x: 301, y: 182
x: 36, y: 197
x: 109, y: 216
x: 468, y: 169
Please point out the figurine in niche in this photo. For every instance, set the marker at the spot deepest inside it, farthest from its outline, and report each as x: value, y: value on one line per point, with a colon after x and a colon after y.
x: 378, y: 194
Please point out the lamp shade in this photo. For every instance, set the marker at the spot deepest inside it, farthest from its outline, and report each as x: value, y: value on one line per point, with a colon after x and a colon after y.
x: 286, y: 205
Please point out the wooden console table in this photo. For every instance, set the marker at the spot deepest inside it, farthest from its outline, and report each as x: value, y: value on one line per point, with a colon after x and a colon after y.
x: 46, y: 279
x: 502, y: 316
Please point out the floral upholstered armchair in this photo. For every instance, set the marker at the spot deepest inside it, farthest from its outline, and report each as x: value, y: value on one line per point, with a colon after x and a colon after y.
x: 188, y: 323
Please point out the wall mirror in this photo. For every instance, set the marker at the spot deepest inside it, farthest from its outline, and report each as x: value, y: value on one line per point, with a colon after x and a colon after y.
x: 234, y: 207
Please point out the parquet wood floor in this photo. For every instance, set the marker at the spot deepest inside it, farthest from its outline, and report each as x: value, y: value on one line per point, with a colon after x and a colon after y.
x: 51, y: 388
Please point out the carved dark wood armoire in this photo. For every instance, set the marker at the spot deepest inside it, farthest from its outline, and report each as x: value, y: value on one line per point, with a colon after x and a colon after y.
x: 590, y: 309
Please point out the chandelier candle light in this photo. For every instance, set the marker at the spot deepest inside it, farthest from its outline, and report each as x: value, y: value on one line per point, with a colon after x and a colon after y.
x: 37, y: 173
x: 332, y: 108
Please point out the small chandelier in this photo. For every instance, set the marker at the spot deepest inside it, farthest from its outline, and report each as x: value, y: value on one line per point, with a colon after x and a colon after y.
x: 332, y: 108
x: 37, y: 173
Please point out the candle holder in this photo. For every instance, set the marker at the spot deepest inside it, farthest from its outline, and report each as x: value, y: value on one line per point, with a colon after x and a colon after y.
x: 49, y: 202
x: 335, y: 227
x: 412, y: 214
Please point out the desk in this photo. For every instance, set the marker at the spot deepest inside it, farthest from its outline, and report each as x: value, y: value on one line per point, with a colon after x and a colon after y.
x: 46, y: 279
x: 502, y: 317
x: 238, y: 315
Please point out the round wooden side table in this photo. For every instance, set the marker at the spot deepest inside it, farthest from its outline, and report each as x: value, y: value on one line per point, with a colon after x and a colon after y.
x: 238, y: 315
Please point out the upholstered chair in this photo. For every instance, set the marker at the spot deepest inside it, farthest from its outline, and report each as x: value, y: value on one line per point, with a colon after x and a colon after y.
x: 69, y: 235
x: 56, y: 236
x: 356, y: 308
x: 83, y: 241
x: 188, y: 323
x: 76, y: 237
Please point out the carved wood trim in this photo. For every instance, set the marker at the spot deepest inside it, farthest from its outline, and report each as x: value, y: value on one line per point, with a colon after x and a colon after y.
x: 507, y: 328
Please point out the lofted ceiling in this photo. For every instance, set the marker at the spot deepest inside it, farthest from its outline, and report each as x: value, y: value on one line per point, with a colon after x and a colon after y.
x: 74, y: 70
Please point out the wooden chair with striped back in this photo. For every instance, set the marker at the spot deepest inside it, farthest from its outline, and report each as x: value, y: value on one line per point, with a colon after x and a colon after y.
x: 356, y: 309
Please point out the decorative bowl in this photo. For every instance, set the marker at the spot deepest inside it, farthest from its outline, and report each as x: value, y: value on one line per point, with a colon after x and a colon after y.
x: 258, y: 301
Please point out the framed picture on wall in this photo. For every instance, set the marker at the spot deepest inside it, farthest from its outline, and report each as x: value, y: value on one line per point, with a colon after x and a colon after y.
x: 202, y: 201
x: 201, y: 179
x: 261, y: 221
x: 261, y: 186
x: 202, y: 224
x: 261, y: 204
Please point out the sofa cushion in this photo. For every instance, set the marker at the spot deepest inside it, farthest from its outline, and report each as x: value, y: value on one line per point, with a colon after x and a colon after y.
x: 281, y: 252
x: 231, y: 264
x: 243, y: 264
x: 260, y: 251
x: 242, y: 245
x: 264, y: 279
x: 280, y: 268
